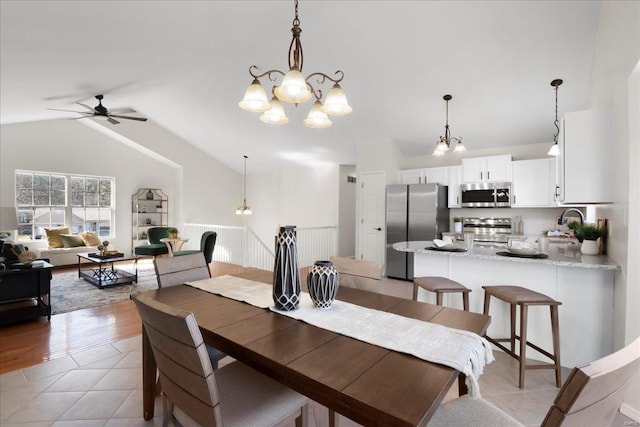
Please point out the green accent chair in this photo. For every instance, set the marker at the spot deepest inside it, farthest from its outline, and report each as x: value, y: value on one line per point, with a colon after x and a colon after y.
x: 207, y: 244
x: 155, y: 247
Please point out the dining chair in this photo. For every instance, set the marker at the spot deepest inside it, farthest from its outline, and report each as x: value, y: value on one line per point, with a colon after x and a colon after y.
x: 357, y: 273
x: 207, y: 244
x: 591, y: 396
x: 178, y: 270
x: 193, y: 392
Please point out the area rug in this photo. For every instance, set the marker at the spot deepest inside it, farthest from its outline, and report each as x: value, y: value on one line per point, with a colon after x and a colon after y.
x: 69, y: 292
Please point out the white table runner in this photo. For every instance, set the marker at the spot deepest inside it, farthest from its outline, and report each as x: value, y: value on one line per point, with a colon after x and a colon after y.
x: 464, y: 351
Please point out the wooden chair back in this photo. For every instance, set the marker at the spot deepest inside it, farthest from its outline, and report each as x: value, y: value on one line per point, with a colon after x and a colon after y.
x: 187, y: 377
x: 360, y: 274
x: 172, y: 271
x: 593, y: 393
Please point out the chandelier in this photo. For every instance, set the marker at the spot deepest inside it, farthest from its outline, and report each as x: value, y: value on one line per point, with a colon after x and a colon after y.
x: 244, y: 209
x: 295, y: 89
x: 442, y: 146
x: 555, y: 150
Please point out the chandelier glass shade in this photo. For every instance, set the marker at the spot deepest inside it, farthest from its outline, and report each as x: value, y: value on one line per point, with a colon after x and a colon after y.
x: 296, y: 89
x: 444, y: 143
x: 555, y: 149
x: 243, y: 209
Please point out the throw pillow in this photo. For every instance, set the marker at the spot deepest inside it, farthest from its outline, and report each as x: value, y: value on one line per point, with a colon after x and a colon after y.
x: 53, y: 236
x: 71, y: 240
x: 91, y: 238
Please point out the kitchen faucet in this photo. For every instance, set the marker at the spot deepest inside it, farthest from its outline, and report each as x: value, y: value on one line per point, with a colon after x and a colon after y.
x: 578, y: 211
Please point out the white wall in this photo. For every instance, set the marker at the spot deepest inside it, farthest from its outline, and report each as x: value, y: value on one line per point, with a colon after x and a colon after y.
x: 66, y: 146
x: 207, y: 191
x: 304, y: 197
x: 518, y: 152
x: 347, y: 212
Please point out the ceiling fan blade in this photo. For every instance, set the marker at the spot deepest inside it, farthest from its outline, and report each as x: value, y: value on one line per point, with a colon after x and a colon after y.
x: 86, y: 106
x: 110, y: 120
x: 81, y: 117
x: 140, y: 119
x: 68, y: 111
x: 122, y: 110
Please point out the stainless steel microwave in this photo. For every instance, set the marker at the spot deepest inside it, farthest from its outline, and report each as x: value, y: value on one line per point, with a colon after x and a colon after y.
x: 486, y: 195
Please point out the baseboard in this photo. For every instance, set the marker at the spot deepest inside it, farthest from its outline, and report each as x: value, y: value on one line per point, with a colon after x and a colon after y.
x: 630, y: 412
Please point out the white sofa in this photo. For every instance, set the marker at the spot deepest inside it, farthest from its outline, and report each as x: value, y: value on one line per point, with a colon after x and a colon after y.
x: 64, y: 256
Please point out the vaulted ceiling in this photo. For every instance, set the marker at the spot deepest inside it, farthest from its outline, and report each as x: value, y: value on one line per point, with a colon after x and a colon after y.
x: 184, y: 65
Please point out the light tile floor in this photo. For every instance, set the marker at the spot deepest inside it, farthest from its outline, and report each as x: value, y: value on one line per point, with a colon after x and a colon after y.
x: 102, y: 387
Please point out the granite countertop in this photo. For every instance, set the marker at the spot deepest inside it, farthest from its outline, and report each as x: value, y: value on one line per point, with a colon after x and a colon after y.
x: 559, y: 254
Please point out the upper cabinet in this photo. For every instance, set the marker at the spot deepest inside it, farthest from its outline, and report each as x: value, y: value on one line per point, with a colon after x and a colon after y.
x: 455, y: 179
x: 585, y: 163
x: 412, y: 176
x: 438, y: 175
x: 533, y: 183
x: 493, y: 168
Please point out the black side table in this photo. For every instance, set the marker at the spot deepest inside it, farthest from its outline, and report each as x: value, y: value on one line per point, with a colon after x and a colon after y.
x: 25, y: 292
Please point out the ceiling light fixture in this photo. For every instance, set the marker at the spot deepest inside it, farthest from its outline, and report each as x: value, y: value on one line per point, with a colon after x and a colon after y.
x: 244, y: 209
x: 296, y: 89
x: 555, y: 149
x: 442, y: 146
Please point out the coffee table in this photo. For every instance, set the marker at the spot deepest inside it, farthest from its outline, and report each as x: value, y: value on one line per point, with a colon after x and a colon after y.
x: 101, y: 271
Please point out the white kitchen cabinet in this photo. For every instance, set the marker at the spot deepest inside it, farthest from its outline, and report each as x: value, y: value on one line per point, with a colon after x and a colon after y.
x: 585, y: 163
x: 412, y: 176
x: 439, y: 175
x: 455, y: 179
x: 533, y: 183
x: 492, y: 168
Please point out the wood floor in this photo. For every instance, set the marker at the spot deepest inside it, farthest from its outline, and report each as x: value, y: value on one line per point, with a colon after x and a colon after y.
x: 30, y: 343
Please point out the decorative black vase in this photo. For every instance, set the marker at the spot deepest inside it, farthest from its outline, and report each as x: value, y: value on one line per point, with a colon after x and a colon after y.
x: 322, y: 282
x: 149, y: 195
x: 286, y: 279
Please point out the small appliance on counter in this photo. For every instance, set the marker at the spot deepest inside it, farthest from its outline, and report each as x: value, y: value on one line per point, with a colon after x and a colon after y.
x: 413, y: 212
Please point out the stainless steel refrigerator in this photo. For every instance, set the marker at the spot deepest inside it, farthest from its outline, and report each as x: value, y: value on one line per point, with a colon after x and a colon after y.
x: 413, y: 212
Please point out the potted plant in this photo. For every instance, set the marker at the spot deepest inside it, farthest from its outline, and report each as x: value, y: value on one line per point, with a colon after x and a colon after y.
x: 173, y: 232
x: 457, y: 225
x: 589, y: 233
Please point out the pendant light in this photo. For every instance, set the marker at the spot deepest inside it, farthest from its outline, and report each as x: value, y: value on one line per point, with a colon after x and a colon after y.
x: 295, y: 88
x: 443, y: 145
x: 555, y: 149
x: 244, y: 209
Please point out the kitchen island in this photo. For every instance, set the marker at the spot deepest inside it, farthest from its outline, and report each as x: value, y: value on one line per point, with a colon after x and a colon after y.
x: 584, y: 285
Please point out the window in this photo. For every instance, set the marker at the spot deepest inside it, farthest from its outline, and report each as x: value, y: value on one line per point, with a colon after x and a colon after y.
x: 83, y: 203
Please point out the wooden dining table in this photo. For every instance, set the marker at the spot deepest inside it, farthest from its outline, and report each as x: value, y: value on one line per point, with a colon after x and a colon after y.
x: 368, y: 384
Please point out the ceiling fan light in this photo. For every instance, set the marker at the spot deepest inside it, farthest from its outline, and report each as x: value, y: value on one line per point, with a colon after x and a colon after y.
x: 255, y: 98
x: 336, y: 102
x: 246, y: 211
x: 239, y: 210
x: 554, y: 150
x: 317, y: 118
x: 294, y: 88
x: 438, y: 152
x: 275, y: 115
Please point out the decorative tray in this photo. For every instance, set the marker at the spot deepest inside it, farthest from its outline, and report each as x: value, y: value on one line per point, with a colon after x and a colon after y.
x: 537, y: 255
x: 447, y: 248
x: 107, y: 256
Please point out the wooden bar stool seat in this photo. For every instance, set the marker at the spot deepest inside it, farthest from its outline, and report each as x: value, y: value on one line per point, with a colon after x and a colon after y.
x: 516, y: 295
x: 440, y: 285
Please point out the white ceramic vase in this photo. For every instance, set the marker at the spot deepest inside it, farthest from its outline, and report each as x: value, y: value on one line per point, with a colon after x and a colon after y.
x: 590, y: 247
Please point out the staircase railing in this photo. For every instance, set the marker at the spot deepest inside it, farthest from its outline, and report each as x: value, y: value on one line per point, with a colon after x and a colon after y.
x: 242, y: 246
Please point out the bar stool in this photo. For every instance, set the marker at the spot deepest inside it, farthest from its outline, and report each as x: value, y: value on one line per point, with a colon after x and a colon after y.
x: 516, y: 295
x: 440, y: 285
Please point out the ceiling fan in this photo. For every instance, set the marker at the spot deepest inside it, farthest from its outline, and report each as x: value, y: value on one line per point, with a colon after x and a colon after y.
x: 101, y: 111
